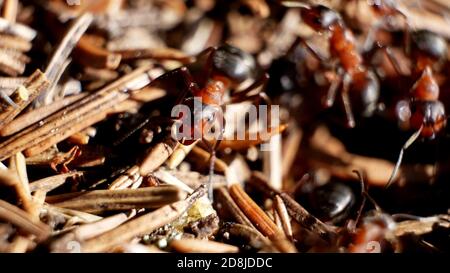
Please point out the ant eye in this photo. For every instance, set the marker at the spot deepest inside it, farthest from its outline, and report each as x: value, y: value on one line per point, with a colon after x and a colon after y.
x: 317, y: 21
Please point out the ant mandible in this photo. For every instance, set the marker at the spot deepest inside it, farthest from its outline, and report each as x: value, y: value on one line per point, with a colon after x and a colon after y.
x: 351, y: 71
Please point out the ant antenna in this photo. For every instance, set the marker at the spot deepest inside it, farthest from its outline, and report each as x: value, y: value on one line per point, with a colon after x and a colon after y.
x: 365, y: 196
x: 408, y: 143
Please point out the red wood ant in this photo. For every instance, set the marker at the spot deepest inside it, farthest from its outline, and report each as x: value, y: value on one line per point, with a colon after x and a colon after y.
x: 355, y: 77
x: 226, y: 67
x: 424, y: 112
x: 384, y: 10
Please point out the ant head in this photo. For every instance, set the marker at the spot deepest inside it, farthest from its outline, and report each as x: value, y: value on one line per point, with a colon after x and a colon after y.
x: 319, y: 17
x: 196, y: 120
x: 430, y: 115
x: 429, y: 44
x: 233, y: 63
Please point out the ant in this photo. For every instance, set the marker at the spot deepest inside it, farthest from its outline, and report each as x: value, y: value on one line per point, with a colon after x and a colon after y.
x: 351, y: 71
x: 424, y: 112
x: 385, y: 11
x: 225, y: 69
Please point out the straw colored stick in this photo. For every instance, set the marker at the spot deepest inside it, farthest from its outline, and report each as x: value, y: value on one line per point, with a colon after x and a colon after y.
x: 143, y: 224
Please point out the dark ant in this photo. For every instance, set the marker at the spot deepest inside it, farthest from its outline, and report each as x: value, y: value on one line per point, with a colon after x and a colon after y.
x: 226, y: 68
x: 385, y: 10
x: 331, y: 202
x: 351, y: 71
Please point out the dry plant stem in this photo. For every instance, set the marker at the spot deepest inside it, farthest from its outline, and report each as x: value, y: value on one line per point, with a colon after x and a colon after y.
x: 259, y: 181
x: 79, y: 138
x: 88, y: 231
x: 11, y: 179
x: 16, y: 56
x: 69, y: 213
x: 250, y: 234
x: 282, y: 244
x: 281, y: 210
x: 148, y: 94
x: 225, y: 200
x: 157, y: 155
x: 179, y: 154
x: 10, y: 65
x: 32, y: 87
x: 69, y: 116
x: 21, y: 219
x: 305, y: 219
x: 256, y: 215
x: 36, y: 115
x: 422, y: 226
x: 202, y: 246
x: 52, y: 182
x: 105, y: 200
x: 81, y: 122
x: 126, y: 179
x: 10, y: 8
x: 16, y: 29
x: 168, y: 178
x: 88, y: 54
x: 95, y: 74
x: 251, y: 139
x: 63, y: 51
x: 143, y: 224
x: 203, y: 155
x: 14, y: 43
x: 11, y: 82
x: 18, y: 164
x: 157, y: 54
x: 290, y: 149
x: 295, y: 210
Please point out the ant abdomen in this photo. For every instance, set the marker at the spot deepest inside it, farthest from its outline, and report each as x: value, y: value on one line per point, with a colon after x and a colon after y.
x: 427, y: 48
x: 365, y: 93
x: 429, y: 43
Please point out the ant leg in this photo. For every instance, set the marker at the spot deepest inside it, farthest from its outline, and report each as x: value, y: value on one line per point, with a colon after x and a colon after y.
x: 314, y: 52
x: 192, y: 87
x: 332, y: 91
x: 366, y: 196
x: 370, y: 38
x: 400, y: 156
x: 346, y: 101
x: 392, y: 59
x: 208, y: 67
x: 311, y: 50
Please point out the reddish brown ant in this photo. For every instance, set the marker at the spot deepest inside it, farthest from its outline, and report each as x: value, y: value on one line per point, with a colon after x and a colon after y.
x: 351, y: 71
x: 424, y: 112
x: 226, y: 67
